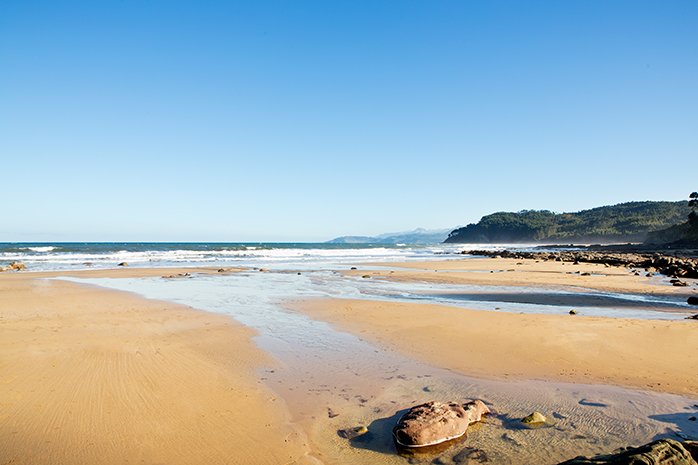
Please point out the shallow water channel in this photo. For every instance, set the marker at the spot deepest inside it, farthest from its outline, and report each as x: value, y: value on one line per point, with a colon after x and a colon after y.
x: 331, y: 380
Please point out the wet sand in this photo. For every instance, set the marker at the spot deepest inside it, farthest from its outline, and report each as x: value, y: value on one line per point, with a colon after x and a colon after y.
x: 646, y: 354
x: 92, y: 376
x: 526, y: 272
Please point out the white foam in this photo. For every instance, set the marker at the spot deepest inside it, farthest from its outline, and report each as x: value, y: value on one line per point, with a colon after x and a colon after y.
x: 48, y: 248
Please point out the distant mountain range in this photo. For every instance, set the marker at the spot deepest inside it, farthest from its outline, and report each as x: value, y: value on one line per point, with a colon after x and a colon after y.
x: 625, y: 222
x: 416, y: 236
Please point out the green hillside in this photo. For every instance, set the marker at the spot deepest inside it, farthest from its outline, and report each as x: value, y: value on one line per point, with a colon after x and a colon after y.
x: 625, y: 222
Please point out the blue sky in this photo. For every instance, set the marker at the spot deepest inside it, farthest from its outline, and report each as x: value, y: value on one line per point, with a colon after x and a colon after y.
x: 292, y: 120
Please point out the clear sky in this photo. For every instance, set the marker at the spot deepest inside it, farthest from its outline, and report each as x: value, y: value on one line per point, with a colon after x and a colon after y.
x: 294, y: 120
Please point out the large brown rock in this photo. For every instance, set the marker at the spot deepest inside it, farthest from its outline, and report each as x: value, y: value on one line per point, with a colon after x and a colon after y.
x: 436, y: 422
x: 662, y: 452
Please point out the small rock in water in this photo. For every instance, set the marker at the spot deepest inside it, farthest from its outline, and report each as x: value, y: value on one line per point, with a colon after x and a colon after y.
x: 534, y: 419
x: 353, y: 268
x: 573, y: 312
x: 692, y: 317
x: 122, y: 264
x: 366, y: 276
x: 351, y: 433
x: 691, y: 418
x: 693, y: 300
x: 678, y: 283
x: 588, y: 274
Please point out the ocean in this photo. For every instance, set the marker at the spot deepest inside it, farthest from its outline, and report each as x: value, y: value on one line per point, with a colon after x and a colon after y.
x: 87, y: 255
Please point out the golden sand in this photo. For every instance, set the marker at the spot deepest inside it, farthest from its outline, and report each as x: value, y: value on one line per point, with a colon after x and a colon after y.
x: 92, y: 376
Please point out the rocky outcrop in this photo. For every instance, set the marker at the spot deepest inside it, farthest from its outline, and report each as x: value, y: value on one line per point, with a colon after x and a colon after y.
x: 677, y: 267
x: 436, y: 422
x: 17, y: 266
x: 662, y: 452
x: 14, y: 266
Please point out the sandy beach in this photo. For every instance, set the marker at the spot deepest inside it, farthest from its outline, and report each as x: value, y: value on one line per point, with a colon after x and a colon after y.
x: 90, y: 375
x: 656, y: 355
x: 526, y: 272
x: 94, y: 376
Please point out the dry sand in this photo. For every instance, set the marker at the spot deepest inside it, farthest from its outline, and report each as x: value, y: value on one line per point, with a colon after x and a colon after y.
x: 656, y: 355
x: 92, y: 376
x: 527, y: 272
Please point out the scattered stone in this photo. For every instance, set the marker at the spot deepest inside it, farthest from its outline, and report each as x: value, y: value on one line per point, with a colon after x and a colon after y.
x: 662, y: 452
x: 353, y: 268
x: 299, y: 273
x: 586, y: 274
x: 351, y: 433
x: 534, y: 419
x: 680, y: 283
x: 436, y: 422
x: 366, y: 276
x: 122, y: 264
x: 692, y: 317
x: 693, y: 300
x: 573, y: 312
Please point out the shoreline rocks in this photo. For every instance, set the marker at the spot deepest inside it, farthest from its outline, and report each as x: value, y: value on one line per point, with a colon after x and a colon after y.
x: 662, y: 452
x: 676, y: 267
x: 14, y: 266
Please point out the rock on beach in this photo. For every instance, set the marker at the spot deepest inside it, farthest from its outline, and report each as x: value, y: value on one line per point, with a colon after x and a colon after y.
x: 436, y: 422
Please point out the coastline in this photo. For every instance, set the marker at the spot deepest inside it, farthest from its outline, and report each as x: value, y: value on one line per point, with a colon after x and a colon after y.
x: 90, y: 375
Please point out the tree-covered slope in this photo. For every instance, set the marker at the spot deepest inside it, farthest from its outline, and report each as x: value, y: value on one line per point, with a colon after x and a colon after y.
x: 625, y: 222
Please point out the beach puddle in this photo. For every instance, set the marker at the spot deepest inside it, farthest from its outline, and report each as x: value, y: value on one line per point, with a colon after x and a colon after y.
x: 332, y: 381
